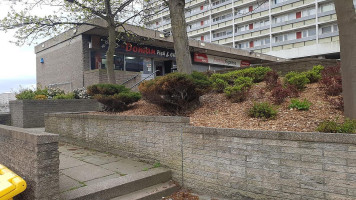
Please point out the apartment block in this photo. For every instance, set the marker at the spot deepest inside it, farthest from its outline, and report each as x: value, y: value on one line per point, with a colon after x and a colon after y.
x: 283, y: 28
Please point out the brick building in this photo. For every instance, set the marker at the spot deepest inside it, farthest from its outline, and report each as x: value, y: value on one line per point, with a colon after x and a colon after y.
x: 77, y: 58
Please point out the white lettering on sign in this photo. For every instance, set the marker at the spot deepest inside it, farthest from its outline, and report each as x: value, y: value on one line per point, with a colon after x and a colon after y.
x: 217, y: 60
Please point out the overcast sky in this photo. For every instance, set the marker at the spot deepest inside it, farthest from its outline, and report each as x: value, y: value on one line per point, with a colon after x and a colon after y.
x: 18, y: 64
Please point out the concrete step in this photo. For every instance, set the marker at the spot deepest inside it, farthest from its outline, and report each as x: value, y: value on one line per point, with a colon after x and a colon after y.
x: 155, y: 192
x: 119, y: 186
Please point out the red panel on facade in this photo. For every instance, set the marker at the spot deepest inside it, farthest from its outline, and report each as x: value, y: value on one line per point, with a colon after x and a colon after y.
x: 298, y: 15
x: 201, y: 23
x: 201, y: 7
x: 201, y: 57
x: 202, y: 38
x: 250, y: 8
x: 299, y: 35
x: 250, y: 26
x: 251, y: 44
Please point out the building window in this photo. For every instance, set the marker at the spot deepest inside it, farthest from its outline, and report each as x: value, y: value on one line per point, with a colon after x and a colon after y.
x: 299, y: 35
x: 134, y: 64
x: 326, y: 29
x: 298, y: 15
x: 327, y: 7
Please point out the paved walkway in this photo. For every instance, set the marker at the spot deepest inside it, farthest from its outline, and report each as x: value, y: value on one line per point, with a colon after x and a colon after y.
x: 80, y: 167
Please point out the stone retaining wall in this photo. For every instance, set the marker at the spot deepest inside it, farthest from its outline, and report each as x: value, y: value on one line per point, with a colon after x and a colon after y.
x: 34, y: 156
x: 30, y: 113
x: 236, y: 164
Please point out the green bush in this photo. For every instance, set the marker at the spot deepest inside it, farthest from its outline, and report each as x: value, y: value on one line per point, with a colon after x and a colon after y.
x: 330, y: 126
x: 291, y: 74
x: 300, y: 105
x: 313, y: 76
x: 176, y: 92
x: 299, y: 80
x: 318, y: 69
x: 239, y: 91
x: 25, y: 94
x: 219, y: 85
x: 65, y: 96
x: 202, y: 81
x: 114, y: 97
x: 256, y: 73
x: 263, y: 110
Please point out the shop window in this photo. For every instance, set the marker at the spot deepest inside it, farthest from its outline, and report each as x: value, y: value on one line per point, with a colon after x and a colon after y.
x: 250, y: 8
x: 298, y: 15
x: 250, y: 26
x: 299, y: 35
x: 251, y: 44
x: 134, y: 64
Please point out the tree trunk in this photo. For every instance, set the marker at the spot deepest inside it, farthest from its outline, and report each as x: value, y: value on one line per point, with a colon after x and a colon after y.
x: 180, y: 36
x: 110, y: 55
x: 346, y: 19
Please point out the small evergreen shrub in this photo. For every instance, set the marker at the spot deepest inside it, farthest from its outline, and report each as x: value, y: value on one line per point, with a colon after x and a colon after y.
x: 25, y: 94
x: 202, y: 81
x: 300, y: 105
x: 256, y: 73
x: 219, y: 85
x: 65, y: 96
x: 176, y: 92
x: 331, y: 81
x: 318, y: 68
x: 299, y: 80
x: 114, y: 97
x: 262, y: 110
x: 330, y: 126
x: 291, y: 74
x: 239, y: 91
x: 271, y: 79
x: 312, y: 76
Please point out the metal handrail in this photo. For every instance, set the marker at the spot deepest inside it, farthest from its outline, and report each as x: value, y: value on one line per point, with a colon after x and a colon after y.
x: 144, y: 79
x: 128, y: 80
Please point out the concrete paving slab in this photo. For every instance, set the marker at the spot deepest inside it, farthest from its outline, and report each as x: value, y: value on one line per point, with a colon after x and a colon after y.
x: 127, y: 166
x: 86, y: 172
x: 66, y: 162
x: 66, y: 183
x: 101, y: 179
x: 100, y: 159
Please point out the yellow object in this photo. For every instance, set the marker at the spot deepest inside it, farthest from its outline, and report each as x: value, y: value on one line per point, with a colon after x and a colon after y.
x: 10, y: 184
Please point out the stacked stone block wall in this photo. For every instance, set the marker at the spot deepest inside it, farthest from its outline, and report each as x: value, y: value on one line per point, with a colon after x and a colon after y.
x: 34, y: 156
x: 236, y: 164
x: 30, y: 113
x: 5, y: 119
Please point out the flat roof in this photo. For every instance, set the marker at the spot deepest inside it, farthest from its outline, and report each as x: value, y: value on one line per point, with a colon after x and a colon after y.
x: 156, y: 38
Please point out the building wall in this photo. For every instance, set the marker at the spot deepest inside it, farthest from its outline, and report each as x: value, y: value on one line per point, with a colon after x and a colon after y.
x: 236, y: 164
x: 30, y: 113
x: 63, y: 65
x: 5, y: 119
x: 238, y: 23
x: 33, y: 156
x: 100, y: 76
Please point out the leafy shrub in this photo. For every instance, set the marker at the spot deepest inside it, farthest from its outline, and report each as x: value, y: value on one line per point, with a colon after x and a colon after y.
x: 53, y: 92
x: 313, y: 76
x: 300, y: 105
x: 25, y: 94
x: 202, y: 81
x: 318, y: 68
x: 262, y: 110
x: 330, y: 126
x: 41, y: 97
x: 176, y: 92
x: 271, y: 79
x: 65, y: 96
x: 81, y: 93
x: 219, y: 85
x: 239, y: 91
x: 291, y: 74
x: 279, y: 94
x: 331, y: 81
x: 114, y: 97
x: 299, y: 80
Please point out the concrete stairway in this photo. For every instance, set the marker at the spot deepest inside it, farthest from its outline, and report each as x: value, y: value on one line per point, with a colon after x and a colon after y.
x: 152, y: 184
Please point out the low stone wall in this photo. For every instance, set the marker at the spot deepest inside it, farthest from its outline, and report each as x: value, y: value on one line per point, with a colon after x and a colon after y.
x: 236, y: 164
x: 5, y: 119
x: 30, y: 113
x: 33, y: 156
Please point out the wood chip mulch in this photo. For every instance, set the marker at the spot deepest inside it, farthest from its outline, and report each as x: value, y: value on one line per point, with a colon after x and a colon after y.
x: 217, y: 111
